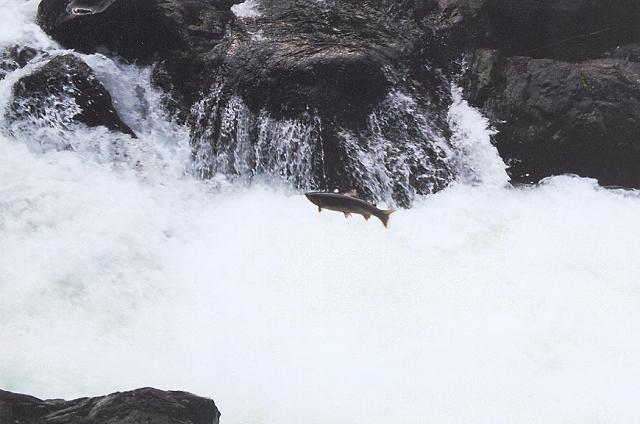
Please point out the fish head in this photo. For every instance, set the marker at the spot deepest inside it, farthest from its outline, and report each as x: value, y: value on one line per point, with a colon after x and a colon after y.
x: 315, y: 198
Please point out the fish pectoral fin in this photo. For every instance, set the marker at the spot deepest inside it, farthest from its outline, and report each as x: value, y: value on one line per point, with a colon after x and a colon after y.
x: 347, y: 215
x: 366, y: 216
x: 319, y: 209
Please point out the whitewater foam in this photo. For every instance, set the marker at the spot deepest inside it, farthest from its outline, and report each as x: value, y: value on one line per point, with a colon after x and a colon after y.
x: 478, y: 305
x: 246, y: 9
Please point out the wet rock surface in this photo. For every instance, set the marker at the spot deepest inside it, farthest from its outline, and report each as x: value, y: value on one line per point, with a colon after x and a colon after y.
x: 337, y: 71
x: 557, y: 117
x: 330, y: 70
x: 180, y: 35
x: 570, y: 30
x: 65, y: 91
x: 558, y: 81
x: 145, y: 405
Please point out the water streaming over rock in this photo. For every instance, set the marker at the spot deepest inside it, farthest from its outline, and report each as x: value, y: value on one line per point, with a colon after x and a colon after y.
x: 398, y: 153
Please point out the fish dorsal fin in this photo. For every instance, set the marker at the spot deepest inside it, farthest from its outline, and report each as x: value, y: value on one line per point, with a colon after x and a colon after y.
x: 352, y: 193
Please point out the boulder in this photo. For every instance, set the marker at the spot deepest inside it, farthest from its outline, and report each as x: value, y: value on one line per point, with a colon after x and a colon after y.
x: 143, y: 30
x: 145, y: 405
x: 559, y: 117
x: 335, y: 73
x: 45, y: 95
x: 329, y: 56
x: 182, y: 34
x: 296, y: 55
x: 330, y: 80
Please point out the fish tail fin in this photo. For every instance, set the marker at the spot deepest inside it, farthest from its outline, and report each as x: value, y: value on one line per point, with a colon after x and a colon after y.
x: 384, y: 217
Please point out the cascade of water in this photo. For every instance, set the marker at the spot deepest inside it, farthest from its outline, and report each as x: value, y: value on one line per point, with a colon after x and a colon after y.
x: 399, y: 153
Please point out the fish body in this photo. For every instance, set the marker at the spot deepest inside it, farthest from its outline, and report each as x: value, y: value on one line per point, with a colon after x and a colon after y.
x: 348, y: 204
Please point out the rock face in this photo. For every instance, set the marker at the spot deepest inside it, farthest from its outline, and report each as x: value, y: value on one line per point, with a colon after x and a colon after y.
x: 353, y: 94
x: 177, y: 33
x: 570, y: 30
x: 306, y: 91
x: 557, y: 117
x: 557, y: 79
x: 562, y: 29
x: 330, y: 56
x: 338, y: 71
x: 138, y: 406
x: 45, y: 95
x: 295, y: 54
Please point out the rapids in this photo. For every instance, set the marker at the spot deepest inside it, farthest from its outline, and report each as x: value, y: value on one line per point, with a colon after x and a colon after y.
x: 481, y: 304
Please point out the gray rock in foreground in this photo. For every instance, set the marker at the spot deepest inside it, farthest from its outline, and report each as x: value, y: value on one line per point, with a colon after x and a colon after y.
x: 145, y: 405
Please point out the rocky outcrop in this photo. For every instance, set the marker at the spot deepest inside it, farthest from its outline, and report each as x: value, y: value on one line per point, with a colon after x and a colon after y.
x: 334, y: 72
x: 62, y: 92
x: 295, y: 55
x: 558, y: 117
x: 570, y: 30
x: 558, y: 81
x: 329, y: 56
x: 180, y: 35
x: 138, y: 406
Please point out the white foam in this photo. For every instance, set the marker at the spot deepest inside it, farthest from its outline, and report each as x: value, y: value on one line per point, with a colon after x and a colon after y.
x: 18, y: 27
x: 479, y: 305
x: 246, y: 9
x: 478, y: 160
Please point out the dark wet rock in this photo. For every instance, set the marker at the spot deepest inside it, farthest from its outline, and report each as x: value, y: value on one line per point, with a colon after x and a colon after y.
x: 331, y: 56
x: 46, y: 94
x: 180, y: 34
x: 329, y: 68
x: 558, y: 117
x: 15, y: 57
x: 331, y: 71
x: 296, y: 55
x: 136, y: 30
x: 138, y: 406
x: 570, y: 30
x: 339, y: 66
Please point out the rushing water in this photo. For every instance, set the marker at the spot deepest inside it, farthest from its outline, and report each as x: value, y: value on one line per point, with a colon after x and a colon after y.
x: 481, y: 304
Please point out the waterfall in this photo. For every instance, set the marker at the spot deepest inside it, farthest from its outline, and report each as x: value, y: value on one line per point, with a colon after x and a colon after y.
x: 399, y: 152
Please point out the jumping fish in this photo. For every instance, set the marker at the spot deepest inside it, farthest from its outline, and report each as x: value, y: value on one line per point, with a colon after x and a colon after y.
x: 348, y: 203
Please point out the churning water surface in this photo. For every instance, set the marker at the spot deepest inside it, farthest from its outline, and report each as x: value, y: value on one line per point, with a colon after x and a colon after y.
x: 481, y: 304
